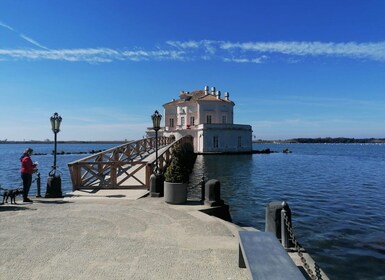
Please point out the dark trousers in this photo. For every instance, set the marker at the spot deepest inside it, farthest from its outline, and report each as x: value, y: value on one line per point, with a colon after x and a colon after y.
x: 27, y: 181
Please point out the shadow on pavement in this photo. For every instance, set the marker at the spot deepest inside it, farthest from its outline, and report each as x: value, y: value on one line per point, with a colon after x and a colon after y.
x: 13, y: 207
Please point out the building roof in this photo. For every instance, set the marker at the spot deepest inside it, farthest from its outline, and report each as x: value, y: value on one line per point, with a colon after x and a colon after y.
x: 196, y: 96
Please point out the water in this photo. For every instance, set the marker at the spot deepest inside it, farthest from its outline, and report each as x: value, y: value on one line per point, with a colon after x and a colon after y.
x: 10, y: 162
x: 335, y: 192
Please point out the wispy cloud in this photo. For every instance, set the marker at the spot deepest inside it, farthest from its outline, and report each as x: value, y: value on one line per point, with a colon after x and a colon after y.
x: 373, y: 51
x: 225, y: 51
x: 206, y: 46
x: 6, y: 26
x: 98, y: 55
x: 257, y: 60
x: 24, y: 37
x: 33, y: 42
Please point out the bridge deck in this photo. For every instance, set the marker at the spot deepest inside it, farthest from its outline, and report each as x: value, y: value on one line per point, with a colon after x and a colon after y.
x: 126, y: 166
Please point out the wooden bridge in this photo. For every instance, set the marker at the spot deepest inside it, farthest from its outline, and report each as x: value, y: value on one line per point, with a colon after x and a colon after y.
x: 128, y: 166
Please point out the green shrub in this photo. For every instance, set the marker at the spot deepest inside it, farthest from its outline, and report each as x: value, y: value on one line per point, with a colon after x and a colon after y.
x: 182, y: 160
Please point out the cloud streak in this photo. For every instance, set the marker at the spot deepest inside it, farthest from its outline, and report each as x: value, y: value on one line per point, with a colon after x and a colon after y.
x: 372, y: 51
x: 2, y: 24
x: 24, y: 37
x: 229, y: 52
x: 92, y: 55
x: 33, y: 42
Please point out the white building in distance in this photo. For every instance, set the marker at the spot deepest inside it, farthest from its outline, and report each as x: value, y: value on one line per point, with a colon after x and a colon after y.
x: 208, y: 118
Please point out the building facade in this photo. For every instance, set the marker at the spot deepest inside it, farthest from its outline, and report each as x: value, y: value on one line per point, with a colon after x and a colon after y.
x: 209, y: 119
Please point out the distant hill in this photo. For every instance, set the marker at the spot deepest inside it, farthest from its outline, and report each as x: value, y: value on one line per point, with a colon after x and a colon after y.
x: 338, y: 140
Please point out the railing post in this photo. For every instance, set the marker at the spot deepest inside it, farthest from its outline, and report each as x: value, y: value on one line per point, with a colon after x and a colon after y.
x: 75, y: 172
x: 284, y: 232
x: 148, y: 175
x: 203, y: 189
x: 161, y: 164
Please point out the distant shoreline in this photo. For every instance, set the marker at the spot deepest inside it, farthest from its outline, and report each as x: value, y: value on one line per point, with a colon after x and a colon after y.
x: 338, y: 140
x: 62, y: 142
x: 326, y: 140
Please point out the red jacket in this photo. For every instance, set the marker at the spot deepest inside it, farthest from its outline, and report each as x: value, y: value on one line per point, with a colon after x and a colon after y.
x: 27, y: 165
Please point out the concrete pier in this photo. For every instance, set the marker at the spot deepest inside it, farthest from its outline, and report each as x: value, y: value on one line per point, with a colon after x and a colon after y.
x: 115, y: 235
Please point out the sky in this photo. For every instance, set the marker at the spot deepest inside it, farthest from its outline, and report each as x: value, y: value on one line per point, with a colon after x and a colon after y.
x: 293, y: 68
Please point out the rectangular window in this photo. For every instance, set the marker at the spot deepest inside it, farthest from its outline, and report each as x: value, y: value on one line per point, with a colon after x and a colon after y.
x: 182, y: 121
x: 192, y: 121
x: 215, y: 142
x: 171, y: 122
x: 208, y: 119
x: 239, y: 141
x: 224, y: 119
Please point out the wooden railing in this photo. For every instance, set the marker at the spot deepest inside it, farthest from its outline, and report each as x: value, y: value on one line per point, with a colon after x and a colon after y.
x: 164, y: 156
x: 119, y: 167
x: 126, y: 166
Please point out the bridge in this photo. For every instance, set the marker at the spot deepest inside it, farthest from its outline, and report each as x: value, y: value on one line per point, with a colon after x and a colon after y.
x: 128, y: 166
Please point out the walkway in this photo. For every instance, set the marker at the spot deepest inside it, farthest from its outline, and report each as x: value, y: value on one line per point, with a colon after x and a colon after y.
x: 114, y: 236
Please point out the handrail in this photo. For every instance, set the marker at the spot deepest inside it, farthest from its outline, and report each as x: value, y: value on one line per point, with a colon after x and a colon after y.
x: 126, y: 166
x: 112, y: 168
x: 164, y: 157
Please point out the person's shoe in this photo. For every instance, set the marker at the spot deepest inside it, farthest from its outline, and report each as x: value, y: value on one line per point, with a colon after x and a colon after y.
x: 27, y: 200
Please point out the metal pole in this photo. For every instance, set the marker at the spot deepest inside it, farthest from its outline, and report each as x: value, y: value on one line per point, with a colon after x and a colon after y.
x: 156, y: 150
x: 284, y: 235
x: 203, y: 189
x: 54, y: 156
x: 38, y: 183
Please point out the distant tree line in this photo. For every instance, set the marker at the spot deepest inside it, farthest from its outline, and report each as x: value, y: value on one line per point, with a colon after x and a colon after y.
x: 330, y: 140
x: 341, y: 140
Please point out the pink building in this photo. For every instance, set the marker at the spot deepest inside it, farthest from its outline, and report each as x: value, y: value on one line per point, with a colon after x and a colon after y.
x: 208, y: 118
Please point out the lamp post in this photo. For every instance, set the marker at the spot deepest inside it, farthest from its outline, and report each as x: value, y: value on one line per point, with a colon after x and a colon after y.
x: 156, y: 118
x: 156, y: 180
x: 54, y: 180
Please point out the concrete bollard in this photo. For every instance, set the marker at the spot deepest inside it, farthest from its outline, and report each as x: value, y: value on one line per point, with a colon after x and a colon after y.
x: 153, y: 192
x: 273, y: 221
x: 213, y: 193
x: 54, y: 187
x: 160, y: 184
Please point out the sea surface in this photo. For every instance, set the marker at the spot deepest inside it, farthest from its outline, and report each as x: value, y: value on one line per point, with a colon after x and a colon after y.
x: 336, y: 193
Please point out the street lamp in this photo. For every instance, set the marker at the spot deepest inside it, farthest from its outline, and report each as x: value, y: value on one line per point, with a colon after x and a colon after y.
x: 54, y: 180
x: 156, y: 118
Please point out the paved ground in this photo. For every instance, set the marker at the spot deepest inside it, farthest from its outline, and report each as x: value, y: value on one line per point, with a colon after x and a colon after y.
x: 114, y: 236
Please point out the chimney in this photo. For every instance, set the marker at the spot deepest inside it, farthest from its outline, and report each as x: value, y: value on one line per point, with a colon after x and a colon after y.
x: 206, y: 90
x: 213, y: 91
x: 218, y: 94
x: 227, y: 96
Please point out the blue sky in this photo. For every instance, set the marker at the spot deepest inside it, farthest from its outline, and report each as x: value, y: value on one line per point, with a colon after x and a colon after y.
x: 293, y: 68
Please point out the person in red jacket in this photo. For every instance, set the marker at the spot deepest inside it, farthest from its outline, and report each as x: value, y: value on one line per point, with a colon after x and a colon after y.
x: 27, y: 168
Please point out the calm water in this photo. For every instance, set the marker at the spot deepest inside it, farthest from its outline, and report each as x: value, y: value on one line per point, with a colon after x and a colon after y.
x: 336, y: 194
x: 10, y: 162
